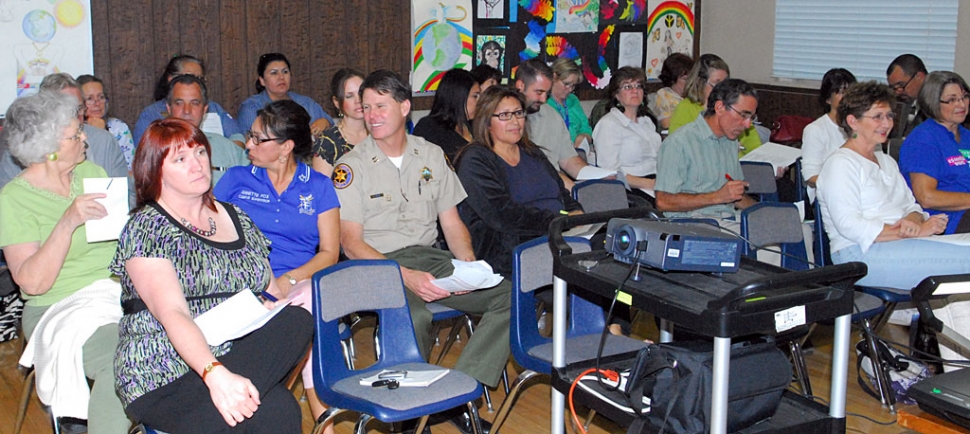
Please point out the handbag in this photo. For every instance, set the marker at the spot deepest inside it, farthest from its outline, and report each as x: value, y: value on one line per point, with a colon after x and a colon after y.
x: 678, y: 376
x: 788, y: 128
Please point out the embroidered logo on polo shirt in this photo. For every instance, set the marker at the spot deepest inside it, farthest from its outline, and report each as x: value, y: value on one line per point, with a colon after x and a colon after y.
x: 306, y: 204
x: 957, y: 160
x: 343, y: 175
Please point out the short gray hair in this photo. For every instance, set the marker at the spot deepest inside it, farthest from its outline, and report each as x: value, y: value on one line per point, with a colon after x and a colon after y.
x: 58, y: 82
x: 932, y: 90
x: 34, y: 125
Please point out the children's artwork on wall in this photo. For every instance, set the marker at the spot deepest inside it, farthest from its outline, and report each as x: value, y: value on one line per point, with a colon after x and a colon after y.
x: 600, y: 79
x: 442, y: 32
x: 575, y: 16
x: 491, y: 9
x: 539, y: 8
x: 558, y: 46
x: 670, y: 29
x: 533, y: 41
x: 631, y: 50
x: 490, y: 50
x: 634, y: 11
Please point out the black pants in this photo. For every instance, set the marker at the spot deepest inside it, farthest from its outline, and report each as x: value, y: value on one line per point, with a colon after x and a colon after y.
x: 265, y: 357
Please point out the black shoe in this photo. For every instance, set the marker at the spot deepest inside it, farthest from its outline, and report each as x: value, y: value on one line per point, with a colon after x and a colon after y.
x: 463, y: 422
x: 408, y: 427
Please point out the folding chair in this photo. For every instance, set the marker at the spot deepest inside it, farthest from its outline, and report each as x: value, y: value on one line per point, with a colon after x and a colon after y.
x: 377, y: 286
x: 760, y: 177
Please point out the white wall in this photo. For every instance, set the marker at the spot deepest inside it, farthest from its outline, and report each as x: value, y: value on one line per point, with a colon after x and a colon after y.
x: 742, y: 33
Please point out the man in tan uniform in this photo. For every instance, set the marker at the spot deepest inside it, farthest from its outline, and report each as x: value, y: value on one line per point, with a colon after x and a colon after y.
x: 393, y: 189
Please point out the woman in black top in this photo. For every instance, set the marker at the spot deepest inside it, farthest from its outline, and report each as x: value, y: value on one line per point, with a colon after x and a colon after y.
x: 449, y: 123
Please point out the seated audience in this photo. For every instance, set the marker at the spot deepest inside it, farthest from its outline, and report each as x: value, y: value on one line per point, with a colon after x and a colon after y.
x: 449, y: 123
x: 393, y: 189
x: 188, y: 99
x: 673, y: 74
x: 96, y: 114
x: 708, y: 71
x: 871, y: 216
x: 565, y: 77
x: 546, y: 127
x: 181, y: 254
x: 823, y: 136
x: 273, y: 84
x: 698, y: 173
x: 513, y: 190
x: 179, y: 65
x: 626, y: 138
x: 486, y: 76
x: 349, y: 129
x: 933, y: 158
x: 302, y: 217
x: 63, y: 278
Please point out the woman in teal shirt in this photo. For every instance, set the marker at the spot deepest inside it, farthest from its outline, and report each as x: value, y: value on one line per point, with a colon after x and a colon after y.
x: 566, y: 76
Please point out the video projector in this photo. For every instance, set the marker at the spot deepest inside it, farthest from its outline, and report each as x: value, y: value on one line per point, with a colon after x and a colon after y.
x: 673, y: 246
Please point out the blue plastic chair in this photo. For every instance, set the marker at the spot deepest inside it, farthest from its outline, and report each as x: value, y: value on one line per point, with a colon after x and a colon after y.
x: 760, y: 177
x: 531, y: 270
x: 597, y: 195
x: 376, y: 286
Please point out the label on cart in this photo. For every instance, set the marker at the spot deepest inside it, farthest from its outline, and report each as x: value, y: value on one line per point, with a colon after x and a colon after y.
x: 789, y: 318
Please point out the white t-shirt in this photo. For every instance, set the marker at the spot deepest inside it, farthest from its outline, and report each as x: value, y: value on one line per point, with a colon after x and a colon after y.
x: 819, y: 140
x: 627, y: 146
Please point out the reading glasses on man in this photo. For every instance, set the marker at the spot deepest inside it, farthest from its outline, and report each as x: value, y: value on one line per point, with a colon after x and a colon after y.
x: 250, y: 135
x: 507, y: 116
x: 753, y: 117
x: 900, y: 86
x: 628, y: 87
x: 965, y: 98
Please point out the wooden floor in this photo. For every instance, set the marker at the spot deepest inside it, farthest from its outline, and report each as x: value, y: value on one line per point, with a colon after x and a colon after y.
x: 529, y: 415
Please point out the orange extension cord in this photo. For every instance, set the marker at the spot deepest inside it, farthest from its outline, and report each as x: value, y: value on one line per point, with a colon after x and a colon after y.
x: 611, y: 375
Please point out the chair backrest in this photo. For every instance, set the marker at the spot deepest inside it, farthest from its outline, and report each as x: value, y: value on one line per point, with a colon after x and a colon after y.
x: 761, y: 180
x: 775, y: 224
x: 359, y: 286
x: 820, y: 243
x: 531, y: 270
x: 801, y: 189
x: 597, y: 195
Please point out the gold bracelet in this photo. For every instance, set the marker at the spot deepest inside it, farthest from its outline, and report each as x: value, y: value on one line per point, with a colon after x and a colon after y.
x: 208, y: 368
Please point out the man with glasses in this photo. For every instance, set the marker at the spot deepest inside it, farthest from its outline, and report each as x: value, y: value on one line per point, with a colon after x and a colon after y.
x: 698, y: 173
x: 102, y: 148
x: 905, y: 75
x: 546, y: 127
x: 188, y: 99
x: 394, y: 189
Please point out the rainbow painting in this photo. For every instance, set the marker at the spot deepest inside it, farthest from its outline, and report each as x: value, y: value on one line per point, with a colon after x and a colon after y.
x: 678, y: 9
x: 538, y: 8
x: 600, y: 82
x: 442, y: 41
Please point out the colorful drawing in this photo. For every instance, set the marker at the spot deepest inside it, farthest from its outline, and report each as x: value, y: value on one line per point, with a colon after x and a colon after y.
x: 533, y: 41
x: 609, y: 8
x: 491, y: 51
x: 538, y: 8
x: 631, y: 50
x: 442, y: 41
x: 634, y: 10
x: 491, y: 9
x: 670, y: 26
x: 558, y: 46
x: 575, y: 16
x: 601, y: 81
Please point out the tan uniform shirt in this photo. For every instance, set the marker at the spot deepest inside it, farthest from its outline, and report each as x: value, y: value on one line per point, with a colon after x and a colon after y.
x: 398, y: 208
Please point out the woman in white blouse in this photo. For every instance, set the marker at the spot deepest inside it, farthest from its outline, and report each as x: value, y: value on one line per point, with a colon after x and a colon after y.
x: 823, y: 136
x: 626, y: 138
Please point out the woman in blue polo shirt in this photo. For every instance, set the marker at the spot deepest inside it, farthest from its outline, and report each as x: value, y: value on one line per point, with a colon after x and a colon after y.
x: 295, y: 206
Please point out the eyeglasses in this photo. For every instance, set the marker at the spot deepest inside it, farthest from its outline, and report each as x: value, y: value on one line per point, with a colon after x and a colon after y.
x: 76, y: 137
x: 569, y: 85
x: 628, y: 87
x: 881, y: 116
x: 81, y: 109
x: 965, y: 98
x: 753, y: 117
x: 712, y: 84
x: 507, y: 116
x: 95, y: 98
x: 250, y: 135
x: 899, y: 87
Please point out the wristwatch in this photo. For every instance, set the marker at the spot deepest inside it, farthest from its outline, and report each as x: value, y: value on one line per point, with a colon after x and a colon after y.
x: 289, y: 278
x: 208, y: 368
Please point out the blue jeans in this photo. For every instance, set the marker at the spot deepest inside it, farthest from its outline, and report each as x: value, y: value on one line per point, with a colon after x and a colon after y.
x: 904, y: 263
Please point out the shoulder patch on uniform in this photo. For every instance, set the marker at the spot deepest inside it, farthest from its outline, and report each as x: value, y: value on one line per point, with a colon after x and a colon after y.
x: 343, y: 175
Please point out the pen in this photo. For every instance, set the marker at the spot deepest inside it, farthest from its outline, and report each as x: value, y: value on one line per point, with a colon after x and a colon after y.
x: 728, y: 177
x: 268, y: 296
x: 110, y: 180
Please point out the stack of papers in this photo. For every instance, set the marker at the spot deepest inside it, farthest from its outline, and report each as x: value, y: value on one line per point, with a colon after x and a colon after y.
x: 469, y: 276
x: 116, y: 203
x: 593, y: 172
x: 234, y: 318
x: 777, y: 155
x: 411, y: 378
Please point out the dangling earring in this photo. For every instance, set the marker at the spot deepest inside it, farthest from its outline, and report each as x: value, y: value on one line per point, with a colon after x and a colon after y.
x: 854, y: 135
x: 52, y: 156
x: 282, y: 159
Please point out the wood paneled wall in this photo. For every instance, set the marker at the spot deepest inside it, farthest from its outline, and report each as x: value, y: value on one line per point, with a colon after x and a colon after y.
x: 134, y: 40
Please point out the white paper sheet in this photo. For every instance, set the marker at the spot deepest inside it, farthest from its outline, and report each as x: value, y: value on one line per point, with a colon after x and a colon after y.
x: 236, y: 317
x: 469, y: 276
x: 110, y: 226
x: 593, y: 172
x: 585, y: 231
x: 777, y: 155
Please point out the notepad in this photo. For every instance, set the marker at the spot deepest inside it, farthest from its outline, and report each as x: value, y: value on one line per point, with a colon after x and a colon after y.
x: 412, y: 379
x: 236, y: 317
x: 116, y: 203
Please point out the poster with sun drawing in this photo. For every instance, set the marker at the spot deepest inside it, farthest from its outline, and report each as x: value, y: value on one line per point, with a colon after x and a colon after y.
x: 442, y: 32
x: 40, y: 38
x: 670, y: 29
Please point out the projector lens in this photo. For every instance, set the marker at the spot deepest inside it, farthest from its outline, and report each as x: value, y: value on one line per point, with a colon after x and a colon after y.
x: 623, y: 240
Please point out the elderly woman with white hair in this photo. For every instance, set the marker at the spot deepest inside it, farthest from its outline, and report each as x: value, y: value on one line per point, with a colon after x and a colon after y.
x: 72, y: 304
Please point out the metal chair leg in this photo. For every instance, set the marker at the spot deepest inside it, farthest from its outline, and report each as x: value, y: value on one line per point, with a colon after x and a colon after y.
x: 505, y: 379
x: 24, y: 401
x: 517, y: 385
x: 589, y: 419
x: 801, y: 370
x: 474, y: 418
x: 361, y: 426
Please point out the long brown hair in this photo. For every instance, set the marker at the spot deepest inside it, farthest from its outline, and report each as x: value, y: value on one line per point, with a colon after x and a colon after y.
x: 161, y: 137
x: 487, y: 104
